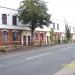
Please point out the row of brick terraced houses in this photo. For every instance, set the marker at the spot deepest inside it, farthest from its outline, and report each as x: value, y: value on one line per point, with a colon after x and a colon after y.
x: 12, y: 32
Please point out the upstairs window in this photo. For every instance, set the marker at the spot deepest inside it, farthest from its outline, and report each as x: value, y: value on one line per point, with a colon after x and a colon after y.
x: 53, y: 25
x: 4, y: 19
x: 14, y: 20
x: 57, y: 26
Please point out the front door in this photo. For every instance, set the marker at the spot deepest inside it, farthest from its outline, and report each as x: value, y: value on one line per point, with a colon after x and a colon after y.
x: 29, y: 40
x: 24, y: 40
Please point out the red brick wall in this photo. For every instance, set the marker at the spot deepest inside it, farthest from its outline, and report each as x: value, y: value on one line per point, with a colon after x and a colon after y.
x: 10, y: 39
x: 19, y: 37
x: 0, y: 38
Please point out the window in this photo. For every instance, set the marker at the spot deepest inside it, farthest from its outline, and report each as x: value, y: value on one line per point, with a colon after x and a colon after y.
x: 53, y: 25
x: 4, y: 19
x: 57, y: 26
x: 5, y: 36
x: 15, y: 36
x: 14, y: 20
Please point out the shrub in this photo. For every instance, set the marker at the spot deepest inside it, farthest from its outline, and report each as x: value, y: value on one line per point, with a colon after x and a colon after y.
x: 65, y: 41
x: 2, y: 50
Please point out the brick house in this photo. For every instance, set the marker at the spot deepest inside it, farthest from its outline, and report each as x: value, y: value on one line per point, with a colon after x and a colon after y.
x: 10, y: 29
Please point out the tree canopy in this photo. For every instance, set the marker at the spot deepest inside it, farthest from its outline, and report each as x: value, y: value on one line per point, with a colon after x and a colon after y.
x: 68, y: 34
x: 34, y: 13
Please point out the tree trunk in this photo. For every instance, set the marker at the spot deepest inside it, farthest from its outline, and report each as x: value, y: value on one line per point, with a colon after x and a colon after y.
x: 32, y: 37
x: 32, y: 33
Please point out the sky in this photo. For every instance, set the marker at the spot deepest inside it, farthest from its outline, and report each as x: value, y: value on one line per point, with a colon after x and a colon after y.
x: 59, y: 9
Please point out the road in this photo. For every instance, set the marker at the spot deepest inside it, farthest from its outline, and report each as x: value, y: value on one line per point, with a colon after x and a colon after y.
x: 44, y: 61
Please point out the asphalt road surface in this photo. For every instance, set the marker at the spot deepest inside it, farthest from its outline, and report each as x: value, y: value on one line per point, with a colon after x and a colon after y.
x: 44, y: 61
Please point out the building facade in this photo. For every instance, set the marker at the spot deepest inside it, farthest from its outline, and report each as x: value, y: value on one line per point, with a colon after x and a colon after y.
x: 10, y: 29
x: 59, y: 27
x: 13, y: 32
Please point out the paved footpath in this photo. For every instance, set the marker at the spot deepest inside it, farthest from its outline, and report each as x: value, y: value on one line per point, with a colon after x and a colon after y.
x: 30, y: 49
x: 69, y: 69
x: 24, y: 50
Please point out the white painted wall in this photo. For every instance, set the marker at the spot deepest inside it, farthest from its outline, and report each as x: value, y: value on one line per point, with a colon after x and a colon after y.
x: 62, y: 26
x: 9, y: 13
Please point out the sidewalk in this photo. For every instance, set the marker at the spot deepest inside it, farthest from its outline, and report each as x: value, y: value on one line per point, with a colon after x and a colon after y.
x: 17, y: 51
x: 23, y: 50
x: 69, y: 69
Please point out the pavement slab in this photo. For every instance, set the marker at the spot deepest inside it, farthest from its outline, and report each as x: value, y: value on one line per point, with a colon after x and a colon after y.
x: 69, y: 69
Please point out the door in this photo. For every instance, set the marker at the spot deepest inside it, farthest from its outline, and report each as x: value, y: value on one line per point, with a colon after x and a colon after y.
x: 29, y: 41
x: 24, y: 40
x: 47, y: 39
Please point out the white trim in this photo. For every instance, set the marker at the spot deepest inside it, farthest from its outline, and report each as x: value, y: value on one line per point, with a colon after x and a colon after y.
x: 4, y: 30
x: 14, y: 30
x: 16, y: 41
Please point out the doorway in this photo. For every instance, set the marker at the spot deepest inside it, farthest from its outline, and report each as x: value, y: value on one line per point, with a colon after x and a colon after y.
x: 24, y: 40
x: 29, y: 43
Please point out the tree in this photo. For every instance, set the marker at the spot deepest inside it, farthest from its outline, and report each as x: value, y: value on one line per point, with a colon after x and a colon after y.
x: 68, y: 34
x: 34, y: 13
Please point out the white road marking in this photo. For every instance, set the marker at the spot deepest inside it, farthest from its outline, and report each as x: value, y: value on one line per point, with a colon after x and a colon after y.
x: 38, y: 56
x: 29, y: 58
x: 45, y: 54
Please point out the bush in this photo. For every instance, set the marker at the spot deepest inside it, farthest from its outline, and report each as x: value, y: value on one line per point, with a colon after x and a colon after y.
x: 2, y: 50
x: 65, y: 41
